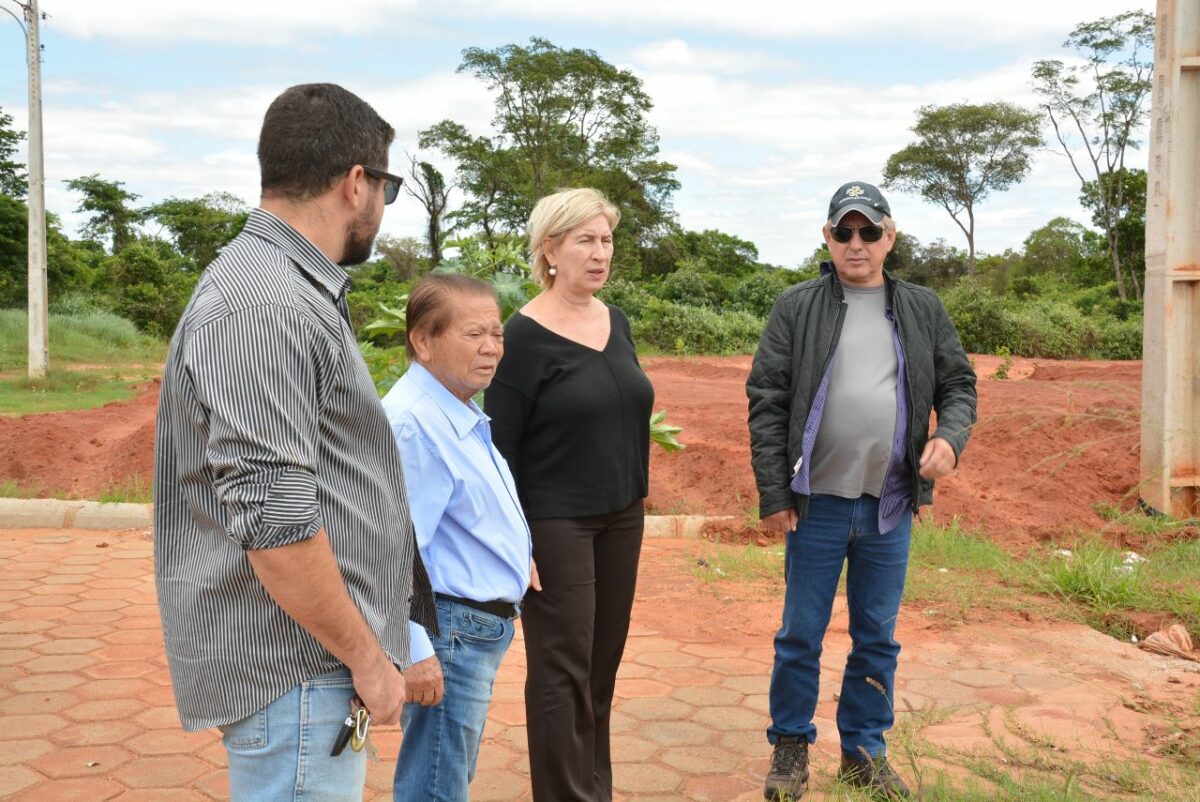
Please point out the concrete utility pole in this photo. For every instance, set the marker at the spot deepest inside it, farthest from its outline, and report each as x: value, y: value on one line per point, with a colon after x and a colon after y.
x: 1170, y: 481
x: 39, y: 317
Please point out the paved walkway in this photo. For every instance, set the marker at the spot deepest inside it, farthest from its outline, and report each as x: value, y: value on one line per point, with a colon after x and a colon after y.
x: 86, y: 711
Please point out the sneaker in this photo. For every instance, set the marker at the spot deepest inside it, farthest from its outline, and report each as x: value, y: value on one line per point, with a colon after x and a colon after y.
x: 788, y: 776
x: 875, y: 776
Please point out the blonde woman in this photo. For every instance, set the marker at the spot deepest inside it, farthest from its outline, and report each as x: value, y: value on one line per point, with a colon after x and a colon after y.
x: 570, y: 409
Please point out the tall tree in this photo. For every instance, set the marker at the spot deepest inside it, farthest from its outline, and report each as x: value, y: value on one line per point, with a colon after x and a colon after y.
x: 427, y: 185
x: 1128, y: 207
x: 563, y: 118
x: 13, y: 181
x: 200, y: 227
x: 962, y: 153
x: 112, y: 217
x: 1097, y: 107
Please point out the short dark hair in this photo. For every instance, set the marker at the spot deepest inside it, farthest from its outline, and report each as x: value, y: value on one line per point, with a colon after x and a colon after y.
x: 429, y: 305
x: 313, y: 133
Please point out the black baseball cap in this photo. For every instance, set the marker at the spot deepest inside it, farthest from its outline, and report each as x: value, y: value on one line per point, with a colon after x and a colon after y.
x: 858, y: 196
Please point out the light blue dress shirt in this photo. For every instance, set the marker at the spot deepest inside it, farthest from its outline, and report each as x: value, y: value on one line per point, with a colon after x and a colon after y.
x: 470, y: 529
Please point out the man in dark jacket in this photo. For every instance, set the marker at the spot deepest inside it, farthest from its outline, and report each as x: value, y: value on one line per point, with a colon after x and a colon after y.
x: 849, y: 366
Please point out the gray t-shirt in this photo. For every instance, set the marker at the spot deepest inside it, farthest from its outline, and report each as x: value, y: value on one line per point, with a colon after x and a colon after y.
x: 854, y: 443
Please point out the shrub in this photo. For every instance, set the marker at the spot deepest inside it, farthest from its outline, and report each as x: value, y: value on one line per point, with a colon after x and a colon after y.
x: 364, y: 301
x: 1053, y: 329
x: 983, y: 319
x: 1120, y: 339
x: 757, y: 293
x: 677, y: 328
x: 630, y: 298
x: 690, y: 286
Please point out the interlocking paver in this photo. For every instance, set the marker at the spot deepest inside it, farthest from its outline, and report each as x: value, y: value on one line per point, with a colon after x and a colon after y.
x: 85, y: 690
x: 174, y: 771
x: 35, y: 703
x: 82, y: 761
x: 90, y: 789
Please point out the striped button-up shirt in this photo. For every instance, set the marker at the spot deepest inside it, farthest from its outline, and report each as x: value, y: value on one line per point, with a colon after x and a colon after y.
x: 269, y: 431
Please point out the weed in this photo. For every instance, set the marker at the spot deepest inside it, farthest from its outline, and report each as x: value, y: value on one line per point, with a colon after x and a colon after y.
x: 133, y: 489
x: 1002, y: 370
x: 741, y: 563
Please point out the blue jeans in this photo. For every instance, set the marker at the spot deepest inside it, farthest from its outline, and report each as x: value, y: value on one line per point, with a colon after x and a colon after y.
x: 282, y: 751
x: 441, y: 743
x: 838, y: 530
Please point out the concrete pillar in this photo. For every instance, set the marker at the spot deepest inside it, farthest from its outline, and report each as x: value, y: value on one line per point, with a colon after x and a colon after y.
x: 1170, y: 481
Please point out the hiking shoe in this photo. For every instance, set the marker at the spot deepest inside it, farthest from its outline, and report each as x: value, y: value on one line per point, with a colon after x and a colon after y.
x: 875, y: 776
x: 788, y: 776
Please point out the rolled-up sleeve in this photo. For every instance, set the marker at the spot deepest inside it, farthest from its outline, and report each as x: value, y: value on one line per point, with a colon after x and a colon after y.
x: 256, y: 375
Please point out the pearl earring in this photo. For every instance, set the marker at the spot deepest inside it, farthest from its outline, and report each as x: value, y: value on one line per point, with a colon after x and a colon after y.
x: 553, y: 270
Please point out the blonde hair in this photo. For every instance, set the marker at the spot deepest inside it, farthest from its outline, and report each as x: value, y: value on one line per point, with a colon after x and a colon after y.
x: 557, y: 214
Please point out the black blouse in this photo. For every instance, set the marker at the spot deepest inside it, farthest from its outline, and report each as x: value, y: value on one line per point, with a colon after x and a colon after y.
x: 573, y: 422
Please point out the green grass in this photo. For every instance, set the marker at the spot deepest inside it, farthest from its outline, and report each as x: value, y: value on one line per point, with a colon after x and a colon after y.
x: 66, y: 389
x: 116, y: 355
x: 722, y: 563
x: 10, y: 488
x: 94, y: 338
x: 1097, y: 580
x: 132, y: 490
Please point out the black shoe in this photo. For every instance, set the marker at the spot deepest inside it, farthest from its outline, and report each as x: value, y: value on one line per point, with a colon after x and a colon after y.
x: 788, y: 776
x: 876, y: 776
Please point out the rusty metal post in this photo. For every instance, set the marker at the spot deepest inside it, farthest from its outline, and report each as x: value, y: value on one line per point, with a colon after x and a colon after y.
x: 1170, y: 480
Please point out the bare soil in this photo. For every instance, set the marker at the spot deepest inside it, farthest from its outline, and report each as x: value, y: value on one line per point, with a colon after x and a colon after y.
x: 1055, y: 440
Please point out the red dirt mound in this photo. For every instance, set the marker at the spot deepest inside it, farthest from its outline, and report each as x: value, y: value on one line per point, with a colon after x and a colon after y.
x: 1054, y: 441
x: 81, y: 453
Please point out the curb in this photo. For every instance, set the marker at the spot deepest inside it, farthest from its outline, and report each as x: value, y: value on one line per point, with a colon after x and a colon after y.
x: 37, y: 513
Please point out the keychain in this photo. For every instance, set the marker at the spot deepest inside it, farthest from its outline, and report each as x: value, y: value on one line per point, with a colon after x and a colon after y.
x: 354, y: 729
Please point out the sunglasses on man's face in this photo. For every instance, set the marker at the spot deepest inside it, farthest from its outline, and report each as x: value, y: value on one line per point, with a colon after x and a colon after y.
x: 844, y: 234
x: 392, y: 186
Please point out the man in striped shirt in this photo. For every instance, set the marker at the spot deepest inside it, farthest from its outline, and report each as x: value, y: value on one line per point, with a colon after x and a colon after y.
x: 285, y: 560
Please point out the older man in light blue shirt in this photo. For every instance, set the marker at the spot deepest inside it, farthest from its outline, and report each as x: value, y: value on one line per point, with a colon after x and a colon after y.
x: 470, y: 530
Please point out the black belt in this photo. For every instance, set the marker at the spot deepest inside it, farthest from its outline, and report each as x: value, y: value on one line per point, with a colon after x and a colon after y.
x: 500, y: 609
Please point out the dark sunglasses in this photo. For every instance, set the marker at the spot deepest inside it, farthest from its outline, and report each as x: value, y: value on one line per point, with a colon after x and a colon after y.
x: 844, y: 234
x: 392, y: 189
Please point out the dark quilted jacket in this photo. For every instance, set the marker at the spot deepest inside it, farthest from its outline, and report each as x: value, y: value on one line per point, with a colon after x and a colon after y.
x: 792, y: 356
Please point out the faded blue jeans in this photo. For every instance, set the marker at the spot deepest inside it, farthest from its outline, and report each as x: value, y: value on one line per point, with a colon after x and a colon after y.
x: 282, y: 751
x: 441, y: 743
x: 836, y: 531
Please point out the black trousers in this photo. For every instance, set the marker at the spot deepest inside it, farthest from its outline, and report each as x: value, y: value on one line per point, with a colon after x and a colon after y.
x: 575, y: 631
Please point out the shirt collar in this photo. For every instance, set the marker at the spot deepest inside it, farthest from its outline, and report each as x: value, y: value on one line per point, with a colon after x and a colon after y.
x: 463, y: 417
x: 309, y: 257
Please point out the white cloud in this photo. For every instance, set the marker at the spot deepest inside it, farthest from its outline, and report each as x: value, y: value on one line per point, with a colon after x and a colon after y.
x: 758, y: 143
x: 284, y: 21
x: 261, y: 22
x: 677, y: 55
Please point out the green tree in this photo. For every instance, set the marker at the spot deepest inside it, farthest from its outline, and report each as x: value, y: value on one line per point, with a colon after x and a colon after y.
x: 428, y: 186
x: 962, y: 153
x: 902, y: 258
x: 71, y: 267
x: 717, y: 252
x: 150, y: 284
x: 112, y: 217
x: 1097, y: 105
x: 200, y: 227
x: 1059, y: 250
x: 564, y: 118
x: 402, y: 258
x: 1128, y: 205
x: 13, y: 181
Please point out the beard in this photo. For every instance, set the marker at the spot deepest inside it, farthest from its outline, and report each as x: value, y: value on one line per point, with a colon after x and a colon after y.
x: 360, y: 238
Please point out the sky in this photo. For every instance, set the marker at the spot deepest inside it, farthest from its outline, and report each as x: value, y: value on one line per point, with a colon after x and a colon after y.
x: 766, y: 107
